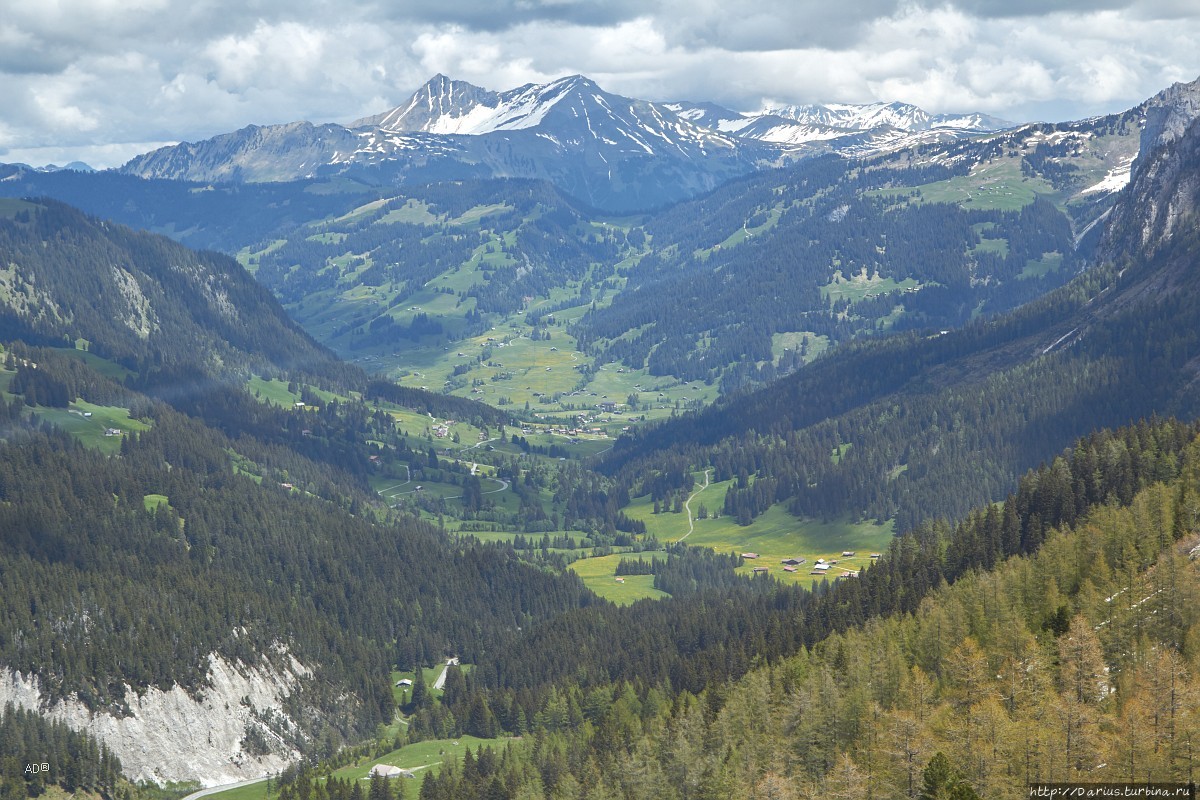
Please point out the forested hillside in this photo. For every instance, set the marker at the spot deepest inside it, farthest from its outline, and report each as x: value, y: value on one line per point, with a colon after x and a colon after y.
x: 937, y: 424
x: 138, y: 299
x: 126, y: 590
x: 204, y: 216
x: 36, y: 754
x: 825, y: 251
x: 733, y: 288
x: 1050, y: 638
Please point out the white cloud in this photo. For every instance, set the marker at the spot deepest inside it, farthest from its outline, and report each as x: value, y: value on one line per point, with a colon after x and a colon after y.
x: 90, y: 73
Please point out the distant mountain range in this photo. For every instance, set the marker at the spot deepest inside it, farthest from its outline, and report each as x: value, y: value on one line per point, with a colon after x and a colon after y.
x: 792, y: 124
x: 1120, y: 341
x: 614, y: 152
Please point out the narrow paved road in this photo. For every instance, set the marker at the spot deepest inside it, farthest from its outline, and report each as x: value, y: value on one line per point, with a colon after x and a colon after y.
x: 687, y: 506
x: 407, y: 472
x: 503, y: 486
x: 441, y: 679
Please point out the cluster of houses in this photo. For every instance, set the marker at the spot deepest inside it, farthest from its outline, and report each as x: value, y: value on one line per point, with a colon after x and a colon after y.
x: 442, y: 429
x: 562, y: 430
x: 820, y: 567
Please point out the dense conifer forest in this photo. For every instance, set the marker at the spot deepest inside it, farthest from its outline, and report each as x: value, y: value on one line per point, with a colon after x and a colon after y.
x: 1049, y: 638
x: 939, y: 424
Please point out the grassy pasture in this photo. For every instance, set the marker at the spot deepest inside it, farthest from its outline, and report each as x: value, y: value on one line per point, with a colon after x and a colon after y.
x: 993, y: 185
x: 1049, y: 262
x: 861, y: 286
x: 153, y: 501
x: 10, y: 207
x: 817, y: 343
x: 413, y: 211
x: 255, y: 791
x: 419, y: 757
x: 109, y: 369
x: 774, y: 535
x: 91, y: 431
x: 599, y: 575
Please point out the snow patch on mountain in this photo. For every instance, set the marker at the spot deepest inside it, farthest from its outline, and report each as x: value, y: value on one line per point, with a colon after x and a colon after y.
x: 1116, y: 179
x: 871, y: 116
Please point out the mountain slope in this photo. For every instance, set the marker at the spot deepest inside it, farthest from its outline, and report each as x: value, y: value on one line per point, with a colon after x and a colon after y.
x: 138, y: 298
x: 616, y: 153
x: 234, y: 568
x: 938, y: 424
x: 610, y: 151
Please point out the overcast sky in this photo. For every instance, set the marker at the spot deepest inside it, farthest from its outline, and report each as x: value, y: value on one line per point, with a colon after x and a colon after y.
x: 102, y: 80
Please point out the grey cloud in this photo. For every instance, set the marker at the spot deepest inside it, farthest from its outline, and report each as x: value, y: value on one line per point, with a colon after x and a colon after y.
x: 33, y: 60
x: 499, y: 15
x: 999, y: 9
x: 188, y: 70
x: 773, y: 24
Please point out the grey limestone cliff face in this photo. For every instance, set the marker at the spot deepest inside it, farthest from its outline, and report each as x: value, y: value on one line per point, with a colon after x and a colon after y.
x: 1164, y: 186
x: 1169, y: 114
x: 174, y: 735
x: 1164, y: 191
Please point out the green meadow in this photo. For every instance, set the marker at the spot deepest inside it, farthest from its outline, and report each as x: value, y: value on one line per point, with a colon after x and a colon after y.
x: 91, y: 424
x: 993, y: 185
x: 599, y: 575
x: 774, y: 535
x: 862, y: 286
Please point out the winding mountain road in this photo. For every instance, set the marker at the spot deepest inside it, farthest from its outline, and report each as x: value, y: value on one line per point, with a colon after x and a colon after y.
x: 687, y: 506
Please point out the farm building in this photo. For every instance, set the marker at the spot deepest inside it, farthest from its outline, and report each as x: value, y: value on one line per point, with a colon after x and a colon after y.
x: 847, y: 554
x: 820, y: 566
x: 749, y: 555
x: 792, y: 562
x: 759, y: 569
x: 404, y: 682
x: 386, y: 771
x: 789, y: 569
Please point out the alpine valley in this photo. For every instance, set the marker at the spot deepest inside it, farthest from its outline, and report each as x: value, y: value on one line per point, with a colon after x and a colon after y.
x: 548, y: 443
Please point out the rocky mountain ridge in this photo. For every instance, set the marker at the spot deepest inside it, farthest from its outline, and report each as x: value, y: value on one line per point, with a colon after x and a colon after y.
x: 616, y: 153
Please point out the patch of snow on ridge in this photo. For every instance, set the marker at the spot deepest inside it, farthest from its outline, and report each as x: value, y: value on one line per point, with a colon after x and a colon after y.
x: 1116, y: 179
x: 176, y: 736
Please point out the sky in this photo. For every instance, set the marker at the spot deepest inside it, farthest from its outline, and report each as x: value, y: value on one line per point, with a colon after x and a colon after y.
x: 103, y: 80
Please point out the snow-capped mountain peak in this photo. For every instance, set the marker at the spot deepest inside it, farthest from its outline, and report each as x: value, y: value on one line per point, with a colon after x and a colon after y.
x: 447, y: 106
x: 612, y: 151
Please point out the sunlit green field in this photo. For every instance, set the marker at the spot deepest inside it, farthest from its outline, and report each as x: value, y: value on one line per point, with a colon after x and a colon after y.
x: 775, y: 535
x: 1049, y: 262
x: 255, y: 791
x: 599, y: 575
x: 994, y: 185
x: 419, y: 757
x: 92, y: 431
x: 860, y: 287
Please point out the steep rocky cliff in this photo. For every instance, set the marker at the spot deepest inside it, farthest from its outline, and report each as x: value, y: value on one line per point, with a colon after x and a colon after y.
x: 236, y: 728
